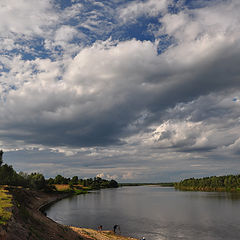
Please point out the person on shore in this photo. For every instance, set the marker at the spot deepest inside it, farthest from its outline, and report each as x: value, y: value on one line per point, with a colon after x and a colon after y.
x: 100, y: 228
x: 115, y: 228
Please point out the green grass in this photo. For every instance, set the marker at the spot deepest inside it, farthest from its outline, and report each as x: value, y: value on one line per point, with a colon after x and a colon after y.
x: 5, y: 203
x: 80, y: 191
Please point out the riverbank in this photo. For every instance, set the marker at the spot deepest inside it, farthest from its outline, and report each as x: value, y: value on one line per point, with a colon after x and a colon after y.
x: 28, y: 222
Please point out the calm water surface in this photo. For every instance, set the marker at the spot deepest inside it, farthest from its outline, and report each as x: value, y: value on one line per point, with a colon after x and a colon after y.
x: 154, y: 212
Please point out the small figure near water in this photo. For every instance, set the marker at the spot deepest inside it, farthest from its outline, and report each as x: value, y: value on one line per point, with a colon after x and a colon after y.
x: 100, y: 228
x: 115, y: 228
x: 143, y: 238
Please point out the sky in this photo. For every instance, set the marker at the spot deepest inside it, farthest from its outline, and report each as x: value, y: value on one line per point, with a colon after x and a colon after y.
x: 131, y: 90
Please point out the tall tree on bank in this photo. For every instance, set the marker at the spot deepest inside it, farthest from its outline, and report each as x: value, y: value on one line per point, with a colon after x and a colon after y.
x: 1, y: 153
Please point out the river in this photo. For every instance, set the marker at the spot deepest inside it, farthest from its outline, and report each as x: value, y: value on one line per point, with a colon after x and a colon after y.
x: 157, y: 213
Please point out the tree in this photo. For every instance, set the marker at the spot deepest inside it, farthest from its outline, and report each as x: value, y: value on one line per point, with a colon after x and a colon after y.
x: 59, y: 179
x: 37, y: 181
x: 50, y: 181
x: 8, y: 176
x: 1, y: 153
x: 113, y: 184
x: 74, y: 180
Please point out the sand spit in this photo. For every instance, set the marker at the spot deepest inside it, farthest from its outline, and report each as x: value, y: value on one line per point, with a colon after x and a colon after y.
x: 100, y: 235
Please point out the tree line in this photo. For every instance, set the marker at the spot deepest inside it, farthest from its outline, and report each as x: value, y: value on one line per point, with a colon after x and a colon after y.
x: 92, y: 183
x: 8, y: 176
x: 221, y: 183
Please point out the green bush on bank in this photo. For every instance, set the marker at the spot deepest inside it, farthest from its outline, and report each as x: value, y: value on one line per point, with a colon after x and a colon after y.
x: 5, y: 204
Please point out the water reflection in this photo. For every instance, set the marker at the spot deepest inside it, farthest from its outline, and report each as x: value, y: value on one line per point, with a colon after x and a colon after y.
x: 224, y: 196
x: 154, y: 212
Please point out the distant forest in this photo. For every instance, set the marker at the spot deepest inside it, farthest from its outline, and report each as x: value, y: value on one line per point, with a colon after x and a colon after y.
x: 8, y: 176
x: 221, y: 183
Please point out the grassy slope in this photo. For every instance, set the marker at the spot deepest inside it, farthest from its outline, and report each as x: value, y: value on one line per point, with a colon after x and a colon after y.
x: 5, y: 205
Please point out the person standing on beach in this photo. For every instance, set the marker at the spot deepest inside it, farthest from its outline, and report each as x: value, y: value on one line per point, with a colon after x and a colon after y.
x: 115, y: 227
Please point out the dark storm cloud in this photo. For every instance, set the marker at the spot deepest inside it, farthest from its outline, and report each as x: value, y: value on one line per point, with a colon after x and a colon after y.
x: 111, y: 111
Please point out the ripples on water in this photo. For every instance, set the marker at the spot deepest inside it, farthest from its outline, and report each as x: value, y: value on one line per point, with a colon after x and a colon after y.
x: 154, y: 212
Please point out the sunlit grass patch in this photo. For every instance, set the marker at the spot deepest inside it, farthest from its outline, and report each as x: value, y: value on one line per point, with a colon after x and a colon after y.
x: 5, y: 203
x: 62, y: 187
